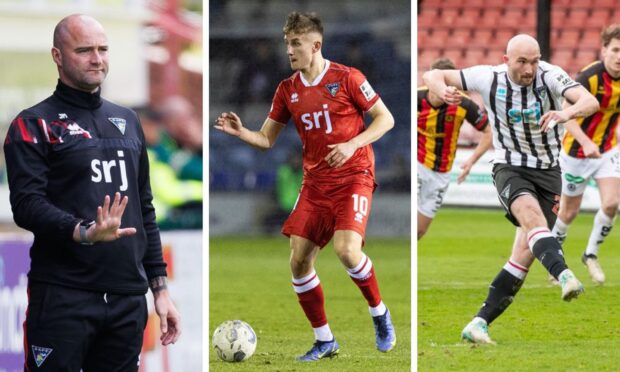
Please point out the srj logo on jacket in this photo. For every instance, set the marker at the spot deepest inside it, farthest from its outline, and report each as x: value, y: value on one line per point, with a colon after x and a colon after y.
x: 102, y: 170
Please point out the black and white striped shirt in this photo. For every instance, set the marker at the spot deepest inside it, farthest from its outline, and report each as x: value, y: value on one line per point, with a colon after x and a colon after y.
x: 515, y: 111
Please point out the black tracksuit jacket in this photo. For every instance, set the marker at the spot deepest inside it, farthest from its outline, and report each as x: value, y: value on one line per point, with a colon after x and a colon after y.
x: 63, y: 156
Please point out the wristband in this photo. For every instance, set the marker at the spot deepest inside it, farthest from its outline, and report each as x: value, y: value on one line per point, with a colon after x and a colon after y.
x: 84, y: 225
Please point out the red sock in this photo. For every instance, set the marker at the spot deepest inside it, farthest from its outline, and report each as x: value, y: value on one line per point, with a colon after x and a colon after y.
x: 364, y: 276
x: 310, y: 295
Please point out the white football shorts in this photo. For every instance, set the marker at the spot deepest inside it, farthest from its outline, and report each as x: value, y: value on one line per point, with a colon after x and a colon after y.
x: 432, y: 187
x: 577, y: 172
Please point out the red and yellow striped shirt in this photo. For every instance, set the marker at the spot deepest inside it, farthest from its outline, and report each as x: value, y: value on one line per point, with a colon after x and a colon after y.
x: 601, y: 126
x: 438, y: 129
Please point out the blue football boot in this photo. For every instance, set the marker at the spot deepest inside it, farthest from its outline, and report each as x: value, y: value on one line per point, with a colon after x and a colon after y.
x: 320, y: 350
x: 384, y: 332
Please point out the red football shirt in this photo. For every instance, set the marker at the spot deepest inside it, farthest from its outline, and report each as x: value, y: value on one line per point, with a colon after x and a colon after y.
x: 327, y: 111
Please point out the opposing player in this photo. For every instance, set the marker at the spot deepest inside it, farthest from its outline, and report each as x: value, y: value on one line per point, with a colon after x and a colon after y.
x: 590, y: 150
x: 523, y: 98
x: 326, y: 101
x: 438, y: 130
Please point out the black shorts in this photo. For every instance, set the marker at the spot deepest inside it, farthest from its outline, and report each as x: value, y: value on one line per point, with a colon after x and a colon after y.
x: 69, y: 329
x: 544, y: 184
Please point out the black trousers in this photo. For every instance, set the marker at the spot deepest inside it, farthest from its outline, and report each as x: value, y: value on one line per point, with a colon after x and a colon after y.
x: 69, y: 329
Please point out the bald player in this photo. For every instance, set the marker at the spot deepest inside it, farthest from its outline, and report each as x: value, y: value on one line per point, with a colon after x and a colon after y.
x: 523, y: 98
x: 78, y: 174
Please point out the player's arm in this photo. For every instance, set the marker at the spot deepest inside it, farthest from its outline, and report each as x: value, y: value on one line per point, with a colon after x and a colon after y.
x: 263, y: 139
x: 446, y: 84
x: 483, y: 146
x: 590, y: 149
x: 584, y: 105
x: 382, y: 121
x: 26, y: 152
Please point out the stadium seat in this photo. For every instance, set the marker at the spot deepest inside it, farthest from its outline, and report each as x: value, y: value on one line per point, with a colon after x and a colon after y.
x: 439, y: 36
x: 585, y: 57
x: 475, y: 4
x: 562, y: 57
x: 591, y: 38
x: 599, y: 17
x: 520, y: 4
x: 448, y: 17
x: 456, y: 55
x: 577, y: 17
x: 569, y: 38
x: 423, y: 39
x: 490, y: 17
x: 474, y: 57
x: 459, y: 38
x: 501, y: 39
x: 426, y: 57
x: 454, y: 4
x: 426, y: 23
x: 512, y: 18
x: 607, y: 5
x: 469, y: 19
x: 482, y: 37
x: 494, y: 57
x: 558, y: 18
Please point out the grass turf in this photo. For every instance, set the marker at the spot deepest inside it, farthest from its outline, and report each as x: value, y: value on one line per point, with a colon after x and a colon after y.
x: 250, y: 280
x: 457, y: 260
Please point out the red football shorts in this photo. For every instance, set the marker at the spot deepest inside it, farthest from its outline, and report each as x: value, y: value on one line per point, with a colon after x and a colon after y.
x: 320, y: 210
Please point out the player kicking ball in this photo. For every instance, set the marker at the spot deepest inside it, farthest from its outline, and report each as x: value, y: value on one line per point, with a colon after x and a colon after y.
x: 326, y: 101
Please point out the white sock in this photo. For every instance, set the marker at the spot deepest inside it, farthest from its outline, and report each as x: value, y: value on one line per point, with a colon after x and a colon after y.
x: 377, y: 310
x: 323, y: 333
x: 477, y: 319
x: 600, y: 229
x: 559, y: 230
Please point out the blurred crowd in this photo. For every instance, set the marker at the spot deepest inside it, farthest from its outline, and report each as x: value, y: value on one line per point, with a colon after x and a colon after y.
x: 173, y: 133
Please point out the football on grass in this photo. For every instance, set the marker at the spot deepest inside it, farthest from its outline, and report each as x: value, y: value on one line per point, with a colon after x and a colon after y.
x: 234, y: 341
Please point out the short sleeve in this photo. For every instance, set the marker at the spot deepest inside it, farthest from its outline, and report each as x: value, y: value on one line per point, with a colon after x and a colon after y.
x: 559, y: 81
x: 477, y: 78
x: 361, y: 91
x: 279, y: 111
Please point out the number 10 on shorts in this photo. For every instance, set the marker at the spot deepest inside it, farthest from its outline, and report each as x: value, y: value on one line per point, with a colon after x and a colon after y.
x: 360, y: 207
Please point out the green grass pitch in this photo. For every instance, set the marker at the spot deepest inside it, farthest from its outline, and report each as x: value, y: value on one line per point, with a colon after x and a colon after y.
x: 249, y: 279
x: 457, y: 260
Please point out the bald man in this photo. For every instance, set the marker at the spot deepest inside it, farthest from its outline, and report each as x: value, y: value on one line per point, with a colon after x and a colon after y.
x: 78, y: 174
x: 523, y: 99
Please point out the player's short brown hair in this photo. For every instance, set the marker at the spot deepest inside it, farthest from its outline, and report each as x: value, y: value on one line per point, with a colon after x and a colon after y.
x: 611, y: 32
x: 443, y: 64
x: 301, y: 23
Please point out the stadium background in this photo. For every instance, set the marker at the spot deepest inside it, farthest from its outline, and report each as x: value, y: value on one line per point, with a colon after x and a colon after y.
x: 456, y: 267
x: 155, y: 54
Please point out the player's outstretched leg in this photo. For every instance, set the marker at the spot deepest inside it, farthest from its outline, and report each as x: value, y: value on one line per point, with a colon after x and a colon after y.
x: 363, y: 275
x: 548, y: 251
x: 310, y: 295
x: 559, y: 231
x: 501, y: 294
